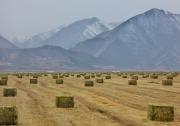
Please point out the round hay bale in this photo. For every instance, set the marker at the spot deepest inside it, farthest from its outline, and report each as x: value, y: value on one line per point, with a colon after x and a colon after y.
x: 33, y: 81
x: 59, y: 81
x: 89, y: 83
x: 99, y: 80
x: 132, y: 82
x: 167, y: 82
x: 108, y: 77
x: 162, y: 113
x: 8, y: 116
x: 64, y: 102
x: 10, y: 92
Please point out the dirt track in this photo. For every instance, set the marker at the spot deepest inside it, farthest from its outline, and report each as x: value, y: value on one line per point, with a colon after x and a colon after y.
x: 113, y: 103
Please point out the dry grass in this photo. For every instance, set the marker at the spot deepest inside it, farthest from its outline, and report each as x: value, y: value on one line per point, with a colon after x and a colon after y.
x: 114, y: 103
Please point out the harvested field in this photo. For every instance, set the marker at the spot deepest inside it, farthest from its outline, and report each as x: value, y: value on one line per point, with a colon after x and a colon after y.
x: 113, y: 103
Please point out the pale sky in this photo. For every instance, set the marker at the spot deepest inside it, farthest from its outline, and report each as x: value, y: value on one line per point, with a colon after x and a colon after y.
x: 29, y: 17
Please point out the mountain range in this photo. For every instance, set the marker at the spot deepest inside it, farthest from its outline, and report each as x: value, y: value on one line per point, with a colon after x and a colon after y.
x: 67, y: 36
x: 148, y: 41
x: 47, y: 58
x: 4, y: 43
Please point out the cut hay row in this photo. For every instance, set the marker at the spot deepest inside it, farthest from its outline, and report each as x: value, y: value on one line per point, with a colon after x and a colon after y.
x: 154, y: 112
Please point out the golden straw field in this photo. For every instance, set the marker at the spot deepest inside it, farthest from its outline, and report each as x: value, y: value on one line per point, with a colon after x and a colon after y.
x: 112, y: 103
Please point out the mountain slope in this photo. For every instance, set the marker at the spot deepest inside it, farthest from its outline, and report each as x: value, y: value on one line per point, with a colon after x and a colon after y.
x: 147, y: 41
x: 68, y: 36
x: 36, y: 40
x: 47, y: 58
x: 4, y: 43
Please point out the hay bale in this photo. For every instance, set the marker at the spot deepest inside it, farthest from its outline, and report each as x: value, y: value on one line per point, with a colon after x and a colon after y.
x: 108, y: 77
x: 59, y: 81
x: 89, y: 83
x: 132, y: 82
x: 162, y: 113
x: 4, y: 78
x: 78, y: 76
x: 33, y: 81
x: 99, y: 80
x: 3, y: 82
x: 145, y: 76
x: 64, y: 102
x: 134, y: 77
x: 35, y: 76
x: 92, y: 76
x: 124, y: 76
x: 9, y: 92
x: 98, y: 75
x: 19, y: 76
x: 153, y: 76
x: 55, y: 76
x: 61, y: 76
x: 87, y: 77
x: 167, y: 82
x: 169, y: 77
x: 8, y: 116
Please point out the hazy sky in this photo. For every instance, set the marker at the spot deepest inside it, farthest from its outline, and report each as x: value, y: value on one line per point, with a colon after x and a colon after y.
x: 29, y: 17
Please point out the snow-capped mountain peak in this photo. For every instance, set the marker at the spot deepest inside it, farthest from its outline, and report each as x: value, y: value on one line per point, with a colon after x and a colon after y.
x: 143, y: 41
x: 70, y: 35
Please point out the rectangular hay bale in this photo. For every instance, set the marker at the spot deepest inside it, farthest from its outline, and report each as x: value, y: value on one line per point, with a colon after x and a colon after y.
x: 33, y: 81
x: 64, y: 102
x: 161, y: 113
x: 9, y: 92
x: 8, y: 116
